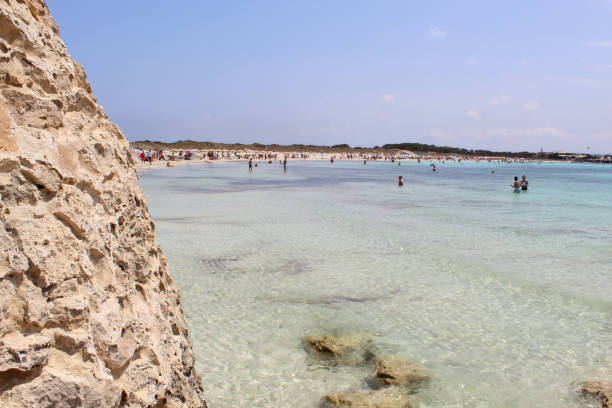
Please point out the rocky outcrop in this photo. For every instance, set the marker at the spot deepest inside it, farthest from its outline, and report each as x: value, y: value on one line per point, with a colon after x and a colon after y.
x: 394, y: 382
x: 344, y: 349
x: 599, y: 391
x: 384, y: 398
x: 401, y: 373
x: 89, y: 314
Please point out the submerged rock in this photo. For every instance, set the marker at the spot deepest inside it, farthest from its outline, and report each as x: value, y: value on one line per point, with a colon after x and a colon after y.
x: 384, y: 398
x: 600, y: 391
x: 346, y: 349
x: 401, y: 373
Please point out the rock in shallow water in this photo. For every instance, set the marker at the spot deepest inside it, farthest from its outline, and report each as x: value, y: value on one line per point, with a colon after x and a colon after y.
x: 385, y: 398
x: 401, y: 373
x: 600, y: 391
x: 347, y: 349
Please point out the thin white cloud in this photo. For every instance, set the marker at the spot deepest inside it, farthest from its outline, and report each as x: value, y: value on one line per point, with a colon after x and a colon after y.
x: 604, y: 136
x: 388, y: 98
x: 474, y: 114
x: 500, y: 100
x: 436, y: 32
x: 471, y: 62
x: 527, y: 64
x: 598, y: 44
x: 602, y: 67
x: 383, y: 116
x: 531, y: 106
x: 578, y: 80
x: 327, y: 130
x: 500, y: 134
x: 541, y: 131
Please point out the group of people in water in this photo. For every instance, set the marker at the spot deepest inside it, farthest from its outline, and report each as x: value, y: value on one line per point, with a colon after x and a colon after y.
x: 517, y: 185
x: 283, y: 162
x: 520, y: 185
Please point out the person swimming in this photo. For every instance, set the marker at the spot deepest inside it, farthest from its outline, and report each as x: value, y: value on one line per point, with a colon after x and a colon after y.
x: 400, y: 181
x: 516, y: 185
x: 524, y: 183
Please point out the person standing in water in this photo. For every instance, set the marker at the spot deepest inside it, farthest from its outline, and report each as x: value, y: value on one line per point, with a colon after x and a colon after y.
x: 364, y: 162
x: 250, y: 165
x: 285, y: 164
x: 516, y: 185
x: 524, y: 183
x: 400, y: 181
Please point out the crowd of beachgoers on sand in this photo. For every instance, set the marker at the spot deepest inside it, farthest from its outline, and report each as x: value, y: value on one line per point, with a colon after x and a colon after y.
x: 169, y: 158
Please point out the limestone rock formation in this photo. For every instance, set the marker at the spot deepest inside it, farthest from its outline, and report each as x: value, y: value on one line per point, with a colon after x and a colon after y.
x: 401, y: 373
x: 599, y: 391
x: 384, y: 398
x: 89, y: 314
x: 345, y: 349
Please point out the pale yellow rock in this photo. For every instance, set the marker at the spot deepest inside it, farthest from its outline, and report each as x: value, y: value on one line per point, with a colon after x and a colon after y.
x: 401, y: 373
x: 89, y: 315
x: 384, y: 398
x: 347, y: 348
x: 599, y: 391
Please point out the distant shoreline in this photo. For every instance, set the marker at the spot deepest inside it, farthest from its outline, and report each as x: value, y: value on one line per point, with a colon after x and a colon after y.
x: 159, y: 164
x: 415, y: 149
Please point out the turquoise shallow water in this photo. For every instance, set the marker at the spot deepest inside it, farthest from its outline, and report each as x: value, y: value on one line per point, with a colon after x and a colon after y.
x: 506, y: 298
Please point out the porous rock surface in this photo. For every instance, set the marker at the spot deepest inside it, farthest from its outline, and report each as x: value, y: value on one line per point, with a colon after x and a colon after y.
x: 384, y: 398
x: 89, y: 314
x: 600, y: 391
x: 401, y: 373
x: 345, y: 349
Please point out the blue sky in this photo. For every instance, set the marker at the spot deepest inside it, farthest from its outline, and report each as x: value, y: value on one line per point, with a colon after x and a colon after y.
x: 503, y: 75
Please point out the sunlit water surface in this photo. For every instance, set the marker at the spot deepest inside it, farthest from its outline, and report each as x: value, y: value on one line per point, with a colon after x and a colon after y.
x: 506, y: 298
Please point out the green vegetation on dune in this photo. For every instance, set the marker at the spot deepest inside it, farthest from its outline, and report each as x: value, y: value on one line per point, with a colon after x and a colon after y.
x: 419, y: 147
x: 189, y: 144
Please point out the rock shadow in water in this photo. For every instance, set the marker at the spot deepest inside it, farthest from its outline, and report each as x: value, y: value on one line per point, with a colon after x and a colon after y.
x: 219, y: 265
x: 291, y: 267
x: 327, y: 300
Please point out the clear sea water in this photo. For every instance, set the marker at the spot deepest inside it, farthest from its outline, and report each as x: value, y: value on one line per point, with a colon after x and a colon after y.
x: 506, y: 298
